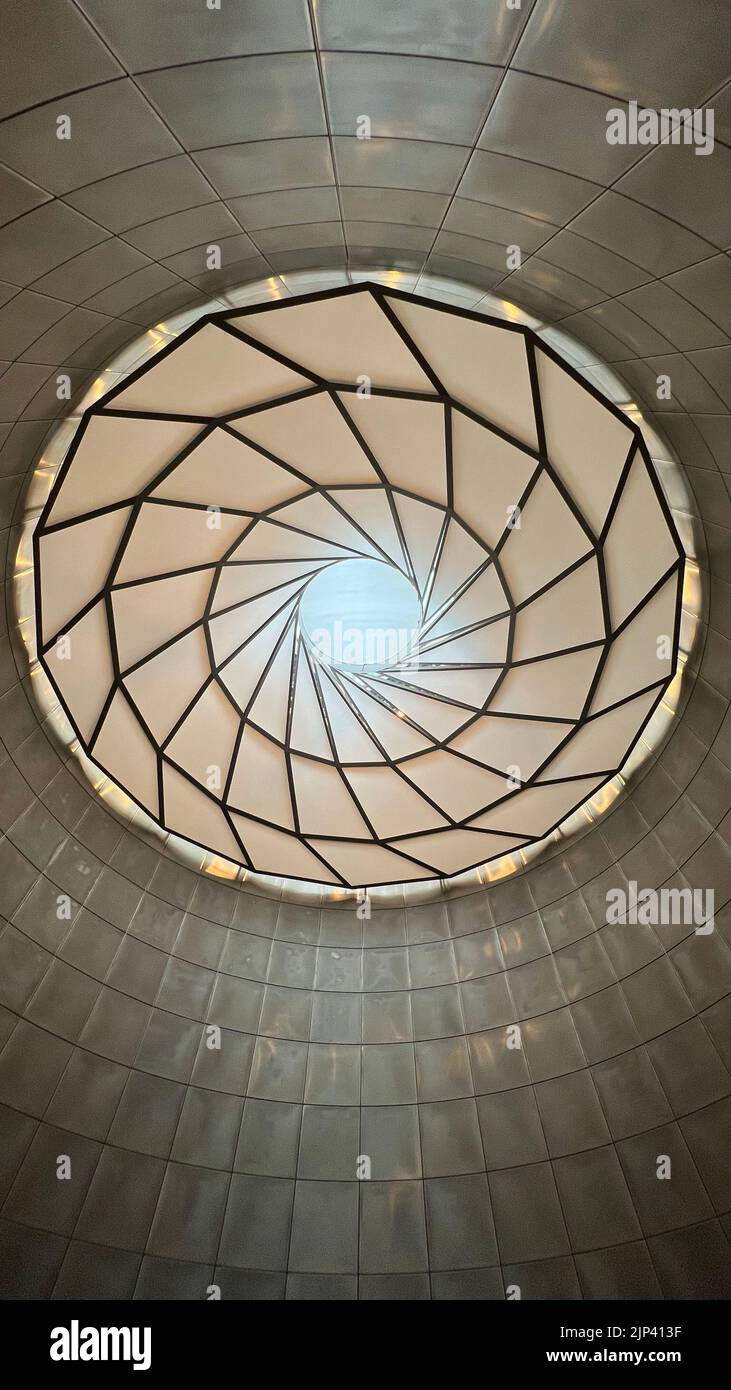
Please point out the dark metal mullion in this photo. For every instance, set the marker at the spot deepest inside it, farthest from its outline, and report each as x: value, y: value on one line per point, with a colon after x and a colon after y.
x: 380, y: 294
x: 393, y: 683
x: 434, y: 643
x: 385, y: 484
x: 627, y: 699
x: 67, y: 628
x: 291, y: 696
x: 177, y: 726
x: 618, y: 491
x: 104, y: 412
x: 167, y: 574
x: 241, y: 336
x: 659, y: 584
x: 530, y: 342
x: 226, y: 418
x: 403, y: 717
x: 262, y: 593
x: 221, y: 666
x: 459, y: 593
x: 520, y: 505
x: 315, y: 674
x: 559, y: 652
x: 246, y: 857
x: 553, y: 583
x: 69, y: 522
x: 491, y: 428
x: 435, y: 562
x: 387, y: 761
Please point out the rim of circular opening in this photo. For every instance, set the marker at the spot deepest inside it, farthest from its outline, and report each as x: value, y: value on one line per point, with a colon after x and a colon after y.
x: 669, y: 472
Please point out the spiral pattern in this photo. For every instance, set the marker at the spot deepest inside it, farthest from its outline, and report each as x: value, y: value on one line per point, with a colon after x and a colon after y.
x: 205, y: 493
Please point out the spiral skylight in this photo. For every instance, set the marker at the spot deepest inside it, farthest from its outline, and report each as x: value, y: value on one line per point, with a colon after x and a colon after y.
x: 205, y: 498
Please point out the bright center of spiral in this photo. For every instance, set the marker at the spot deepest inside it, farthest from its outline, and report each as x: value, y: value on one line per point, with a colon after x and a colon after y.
x: 362, y: 614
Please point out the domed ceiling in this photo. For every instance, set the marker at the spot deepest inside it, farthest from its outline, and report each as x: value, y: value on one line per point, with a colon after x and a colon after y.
x: 205, y: 495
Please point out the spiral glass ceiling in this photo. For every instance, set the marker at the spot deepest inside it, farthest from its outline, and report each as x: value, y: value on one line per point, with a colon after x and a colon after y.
x: 264, y: 453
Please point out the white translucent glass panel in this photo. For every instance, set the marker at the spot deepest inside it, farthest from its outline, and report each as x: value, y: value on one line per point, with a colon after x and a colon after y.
x: 547, y: 541
x: 530, y: 811
x: 639, y: 548
x: 490, y: 477
x: 196, y: 816
x: 165, y: 685
x: 205, y: 741
x: 483, y: 598
x: 317, y: 515
x: 273, y: 540
x: 324, y: 803
x: 470, y: 686
x: 231, y: 629
x: 604, y: 741
x: 367, y: 863
x: 342, y: 338
x: 422, y: 526
x: 407, y: 438
x: 390, y: 802
x: 436, y: 717
x: 642, y: 654
x: 270, y: 707
x: 352, y: 742
x: 210, y: 373
x: 373, y: 511
x: 117, y: 456
x: 237, y: 583
x: 586, y: 443
x: 461, y: 787
x: 242, y: 673
x: 165, y: 538
x: 459, y: 559
x: 67, y: 585
x: 148, y: 615
x: 481, y: 366
x: 83, y: 649
x: 391, y: 729
x: 448, y: 849
x: 486, y: 644
x: 308, y: 733
x: 222, y: 470
x: 312, y: 436
x: 260, y: 784
x: 566, y: 615
x: 124, y: 746
x: 519, y: 746
x: 554, y: 687
x: 275, y: 852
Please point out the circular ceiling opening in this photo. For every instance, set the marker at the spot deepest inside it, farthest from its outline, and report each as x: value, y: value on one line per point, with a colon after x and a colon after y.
x: 262, y: 540
x: 362, y: 615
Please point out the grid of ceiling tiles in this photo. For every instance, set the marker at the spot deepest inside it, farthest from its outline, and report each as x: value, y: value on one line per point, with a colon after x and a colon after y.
x: 207, y: 492
x: 489, y: 1167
